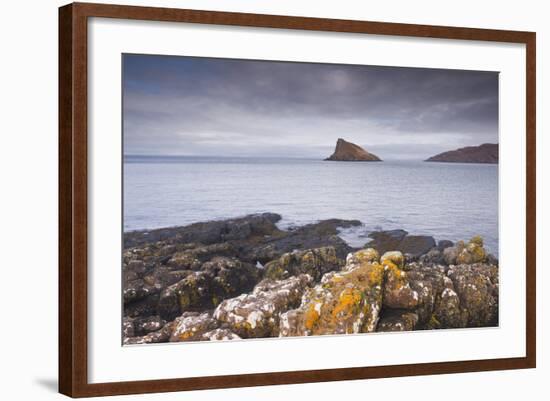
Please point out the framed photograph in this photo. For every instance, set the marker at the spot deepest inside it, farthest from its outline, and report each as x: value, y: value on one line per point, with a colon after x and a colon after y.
x: 251, y: 200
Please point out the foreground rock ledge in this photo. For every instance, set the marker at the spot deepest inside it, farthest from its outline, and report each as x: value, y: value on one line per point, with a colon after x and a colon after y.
x: 252, y: 280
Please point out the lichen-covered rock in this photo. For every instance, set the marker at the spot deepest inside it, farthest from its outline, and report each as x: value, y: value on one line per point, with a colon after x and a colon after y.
x: 343, y: 303
x: 128, y: 327
x: 398, y: 293
x: 398, y: 321
x: 472, y: 253
x: 447, y: 311
x: 368, y: 255
x: 192, y: 326
x: 477, y: 287
x: 146, y: 325
x: 218, y: 279
x: 314, y: 262
x: 433, y: 256
x: 257, y: 314
x: 159, y: 336
x: 461, y: 253
x: 192, y: 259
x: 220, y: 335
x: 138, y: 289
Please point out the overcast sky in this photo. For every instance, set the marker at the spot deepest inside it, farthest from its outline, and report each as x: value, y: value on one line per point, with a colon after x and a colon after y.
x: 223, y: 107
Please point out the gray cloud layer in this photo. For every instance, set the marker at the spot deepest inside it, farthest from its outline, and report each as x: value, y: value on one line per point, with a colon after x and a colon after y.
x: 203, y: 106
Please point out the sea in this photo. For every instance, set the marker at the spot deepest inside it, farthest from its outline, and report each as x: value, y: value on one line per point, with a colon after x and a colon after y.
x: 451, y: 201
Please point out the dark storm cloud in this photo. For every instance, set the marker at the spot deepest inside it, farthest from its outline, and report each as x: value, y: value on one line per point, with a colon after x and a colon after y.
x: 203, y: 106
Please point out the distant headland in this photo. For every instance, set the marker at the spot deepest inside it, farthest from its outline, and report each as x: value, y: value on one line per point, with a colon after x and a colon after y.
x: 350, y: 152
x: 486, y: 153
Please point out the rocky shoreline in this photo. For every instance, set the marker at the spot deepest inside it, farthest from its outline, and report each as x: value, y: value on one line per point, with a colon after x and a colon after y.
x: 246, y: 278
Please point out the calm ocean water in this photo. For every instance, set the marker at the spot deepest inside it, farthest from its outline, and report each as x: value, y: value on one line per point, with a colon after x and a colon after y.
x: 446, y: 200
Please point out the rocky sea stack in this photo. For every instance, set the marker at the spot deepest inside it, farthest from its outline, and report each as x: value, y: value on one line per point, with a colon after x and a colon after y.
x: 246, y: 278
x: 486, y: 153
x: 350, y: 152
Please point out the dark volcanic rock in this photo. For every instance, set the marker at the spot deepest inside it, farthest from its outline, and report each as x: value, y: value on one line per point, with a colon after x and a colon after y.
x: 350, y: 152
x: 486, y: 153
x: 310, y: 236
x: 416, y: 245
x: 208, y: 232
x: 399, y: 240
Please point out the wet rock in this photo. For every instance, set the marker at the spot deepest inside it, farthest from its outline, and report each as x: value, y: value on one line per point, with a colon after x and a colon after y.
x: 207, y: 232
x: 399, y: 240
x: 192, y: 327
x: 385, y: 241
x: 397, y: 321
x: 343, y: 303
x: 416, y: 245
x: 314, y: 262
x: 220, y: 335
x: 257, y: 314
x: 310, y: 236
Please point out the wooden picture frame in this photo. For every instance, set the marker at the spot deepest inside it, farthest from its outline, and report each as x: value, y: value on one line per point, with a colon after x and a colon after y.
x: 73, y: 198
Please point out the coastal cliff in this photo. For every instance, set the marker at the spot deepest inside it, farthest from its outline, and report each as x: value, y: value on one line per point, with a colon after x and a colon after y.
x: 246, y: 278
x: 350, y: 152
x: 486, y: 153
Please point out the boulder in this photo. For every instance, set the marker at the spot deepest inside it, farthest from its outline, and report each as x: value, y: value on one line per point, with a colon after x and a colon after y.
x: 343, y: 303
x: 192, y: 327
x: 447, y: 311
x: 192, y: 259
x: 209, y: 232
x: 146, y: 325
x: 217, y: 279
x: 310, y: 236
x: 416, y: 245
x: 220, y: 335
x: 477, y: 287
x: 257, y: 314
x: 159, y: 336
x: 461, y: 253
x: 314, y: 262
x: 398, y: 240
x: 385, y: 241
x: 397, y: 321
x: 398, y: 293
